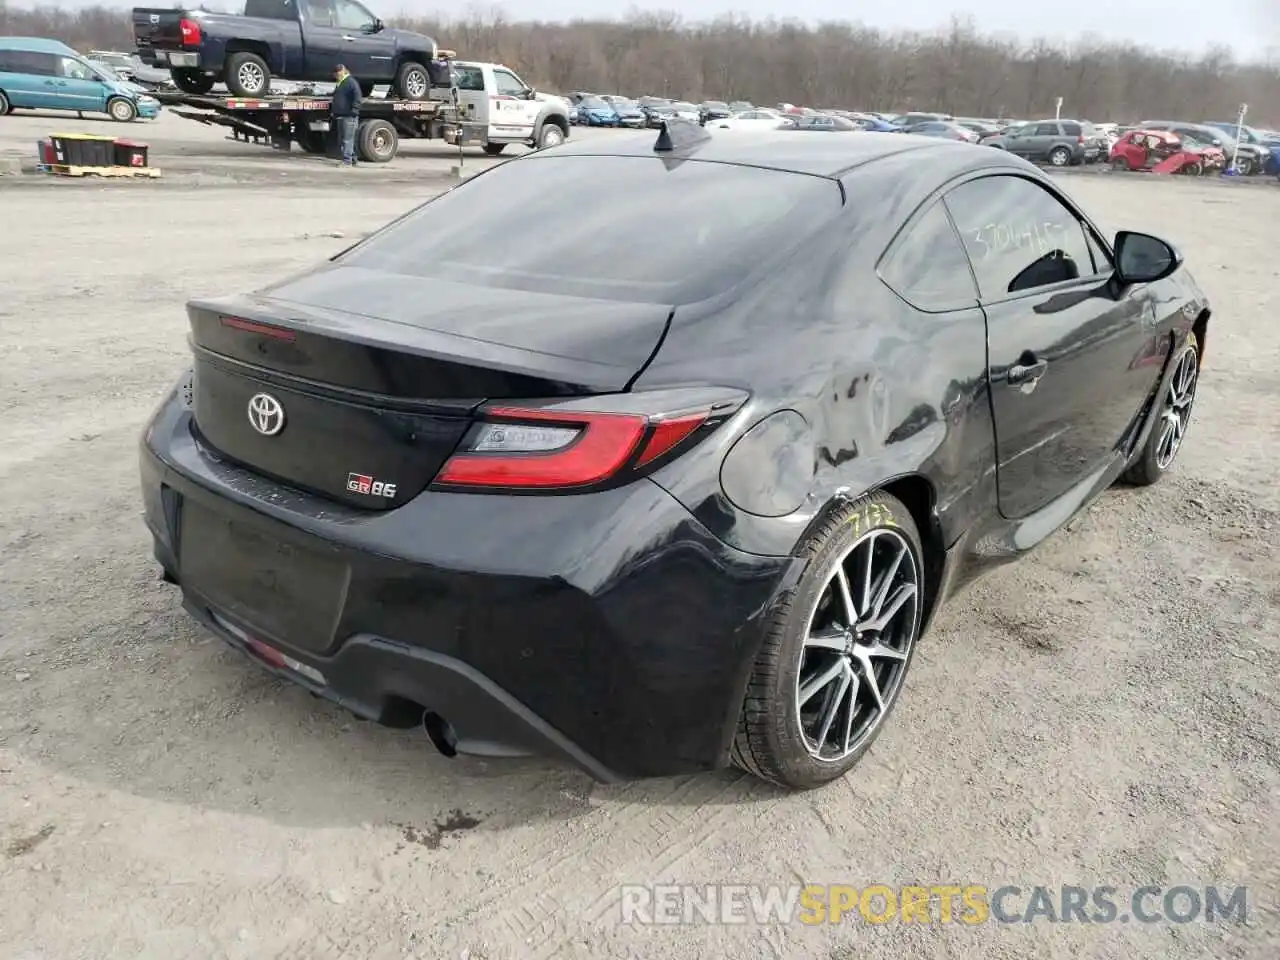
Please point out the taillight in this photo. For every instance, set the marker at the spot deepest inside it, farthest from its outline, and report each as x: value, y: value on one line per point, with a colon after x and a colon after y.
x: 252, y: 326
x: 1080, y: 139
x: 190, y: 32
x: 550, y: 449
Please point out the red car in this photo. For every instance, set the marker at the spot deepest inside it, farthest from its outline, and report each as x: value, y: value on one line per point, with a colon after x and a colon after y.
x: 1163, y: 152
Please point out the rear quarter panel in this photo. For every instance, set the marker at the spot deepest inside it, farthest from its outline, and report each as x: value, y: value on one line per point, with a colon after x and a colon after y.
x: 886, y: 391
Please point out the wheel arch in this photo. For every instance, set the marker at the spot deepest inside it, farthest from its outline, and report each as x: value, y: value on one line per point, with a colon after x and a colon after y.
x: 918, y: 494
x: 1200, y: 327
x: 260, y: 47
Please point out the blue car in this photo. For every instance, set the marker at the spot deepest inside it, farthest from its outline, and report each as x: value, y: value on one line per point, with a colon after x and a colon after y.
x: 630, y: 113
x: 594, y: 112
x: 38, y: 74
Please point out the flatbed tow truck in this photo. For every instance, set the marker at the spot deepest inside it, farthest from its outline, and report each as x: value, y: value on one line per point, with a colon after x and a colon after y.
x: 476, y: 109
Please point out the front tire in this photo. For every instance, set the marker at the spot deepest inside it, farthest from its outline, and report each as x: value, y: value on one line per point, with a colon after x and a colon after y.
x: 1173, y: 418
x: 1244, y: 166
x: 121, y: 110
x: 550, y: 136
x: 833, y: 662
x: 248, y: 75
x: 412, y: 82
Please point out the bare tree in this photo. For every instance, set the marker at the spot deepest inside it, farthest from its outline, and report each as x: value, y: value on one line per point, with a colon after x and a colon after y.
x: 850, y: 65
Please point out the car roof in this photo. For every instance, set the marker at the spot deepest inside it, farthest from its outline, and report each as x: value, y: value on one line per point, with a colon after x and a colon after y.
x: 787, y: 151
x: 36, y: 45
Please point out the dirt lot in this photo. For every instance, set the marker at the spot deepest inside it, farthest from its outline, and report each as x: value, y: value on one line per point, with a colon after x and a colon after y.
x: 1104, y: 713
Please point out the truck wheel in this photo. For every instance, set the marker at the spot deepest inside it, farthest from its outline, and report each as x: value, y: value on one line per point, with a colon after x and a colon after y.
x: 1244, y: 167
x: 247, y: 75
x: 550, y: 135
x: 377, y: 141
x: 192, y: 81
x: 121, y: 110
x: 412, y: 82
x: 493, y: 149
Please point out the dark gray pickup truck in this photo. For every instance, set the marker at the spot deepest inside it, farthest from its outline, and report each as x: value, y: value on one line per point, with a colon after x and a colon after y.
x: 289, y: 39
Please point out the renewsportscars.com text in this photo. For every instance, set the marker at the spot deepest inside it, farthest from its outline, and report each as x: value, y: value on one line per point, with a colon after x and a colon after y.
x: 965, y: 904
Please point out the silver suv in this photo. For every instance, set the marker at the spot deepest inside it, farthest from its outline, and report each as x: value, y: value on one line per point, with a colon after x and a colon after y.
x: 1059, y: 143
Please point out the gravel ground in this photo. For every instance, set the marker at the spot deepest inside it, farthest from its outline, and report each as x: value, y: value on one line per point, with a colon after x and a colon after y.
x: 1103, y: 713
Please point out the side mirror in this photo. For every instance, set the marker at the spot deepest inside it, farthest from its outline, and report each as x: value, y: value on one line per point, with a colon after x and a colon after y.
x: 1142, y: 258
x: 376, y: 27
x: 530, y: 93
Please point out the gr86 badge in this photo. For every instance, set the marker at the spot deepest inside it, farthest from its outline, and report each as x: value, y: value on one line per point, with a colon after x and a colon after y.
x: 365, y: 484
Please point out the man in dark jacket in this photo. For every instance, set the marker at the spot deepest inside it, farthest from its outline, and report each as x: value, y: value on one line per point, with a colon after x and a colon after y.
x: 346, y: 112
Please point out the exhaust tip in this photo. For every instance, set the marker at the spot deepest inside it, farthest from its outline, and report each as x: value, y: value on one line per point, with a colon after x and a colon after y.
x: 440, y: 733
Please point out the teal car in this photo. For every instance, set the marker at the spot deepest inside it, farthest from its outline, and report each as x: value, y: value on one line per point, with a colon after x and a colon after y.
x: 38, y: 74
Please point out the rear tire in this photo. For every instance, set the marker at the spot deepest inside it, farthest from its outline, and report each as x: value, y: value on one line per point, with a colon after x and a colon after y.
x: 192, y: 81
x: 412, y: 82
x: 1244, y: 166
x: 377, y: 141
x: 4, y: 104
x: 778, y: 739
x: 1059, y: 157
x: 493, y: 149
x: 121, y: 110
x: 311, y: 141
x: 247, y: 75
x: 1173, y: 418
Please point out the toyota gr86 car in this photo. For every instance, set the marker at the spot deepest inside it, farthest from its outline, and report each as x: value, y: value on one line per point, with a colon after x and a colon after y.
x: 673, y: 481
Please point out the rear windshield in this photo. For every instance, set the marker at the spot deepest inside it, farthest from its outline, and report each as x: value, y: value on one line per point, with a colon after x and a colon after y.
x: 655, y: 231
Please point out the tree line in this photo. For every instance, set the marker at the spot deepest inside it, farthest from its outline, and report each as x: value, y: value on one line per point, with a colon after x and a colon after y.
x: 955, y: 69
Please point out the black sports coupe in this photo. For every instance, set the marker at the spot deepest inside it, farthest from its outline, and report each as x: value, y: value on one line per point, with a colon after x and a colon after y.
x: 674, y: 481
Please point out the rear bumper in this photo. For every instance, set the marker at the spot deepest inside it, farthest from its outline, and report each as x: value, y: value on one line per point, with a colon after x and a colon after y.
x: 182, y: 59
x: 610, y: 630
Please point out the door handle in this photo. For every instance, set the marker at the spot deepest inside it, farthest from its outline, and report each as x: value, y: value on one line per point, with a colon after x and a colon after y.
x: 1028, y: 372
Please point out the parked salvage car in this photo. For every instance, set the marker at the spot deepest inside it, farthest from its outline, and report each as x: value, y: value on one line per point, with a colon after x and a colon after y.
x: 1249, y: 158
x: 943, y: 130
x: 596, y: 112
x: 818, y: 123
x: 657, y: 494
x: 1057, y: 142
x: 1161, y: 151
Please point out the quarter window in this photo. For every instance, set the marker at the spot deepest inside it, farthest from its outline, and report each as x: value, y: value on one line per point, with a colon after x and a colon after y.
x: 1018, y: 235
x: 926, y: 266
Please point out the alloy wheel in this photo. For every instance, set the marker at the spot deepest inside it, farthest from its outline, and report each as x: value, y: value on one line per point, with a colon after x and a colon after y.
x: 251, y: 77
x: 1175, y: 418
x: 415, y: 85
x: 857, y: 645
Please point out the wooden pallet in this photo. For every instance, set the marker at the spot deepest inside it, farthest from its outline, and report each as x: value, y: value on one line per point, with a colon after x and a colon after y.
x: 69, y: 170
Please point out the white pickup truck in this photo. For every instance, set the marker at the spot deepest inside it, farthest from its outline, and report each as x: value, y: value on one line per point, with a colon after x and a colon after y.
x: 499, y: 108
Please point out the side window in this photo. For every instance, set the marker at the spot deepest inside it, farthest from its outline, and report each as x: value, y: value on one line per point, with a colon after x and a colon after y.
x: 321, y: 13
x: 350, y: 16
x: 1046, y: 130
x: 73, y: 69
x: 36, y: 64
x: 507, y: 84
x: 1072, y: 129
x: 1101, y: 259
x: 1018, y: 235
x: 926, y: 266
x: 469, y: 78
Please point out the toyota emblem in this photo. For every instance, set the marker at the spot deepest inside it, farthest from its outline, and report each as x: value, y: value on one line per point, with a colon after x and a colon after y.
x: 265, y: 414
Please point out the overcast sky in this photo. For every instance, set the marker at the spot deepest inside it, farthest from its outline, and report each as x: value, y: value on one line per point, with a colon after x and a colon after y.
x: 1250, y: 27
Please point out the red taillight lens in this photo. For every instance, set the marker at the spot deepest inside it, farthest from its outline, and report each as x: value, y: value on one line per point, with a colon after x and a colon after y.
x: 1080, y: 139
x: 536, y: 449
x: 190, y: 32
x: 266, y: 329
